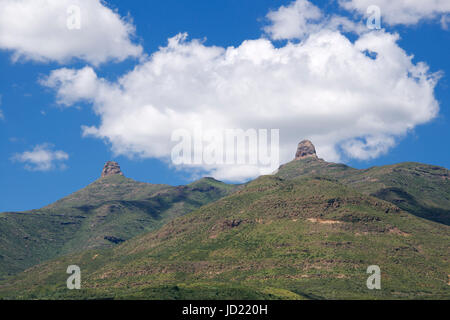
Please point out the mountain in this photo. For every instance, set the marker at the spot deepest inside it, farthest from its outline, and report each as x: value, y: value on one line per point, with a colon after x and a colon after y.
x: 108, y: 212
x: 423, y: 190
x: 273, y: 239
x: 308, y: 232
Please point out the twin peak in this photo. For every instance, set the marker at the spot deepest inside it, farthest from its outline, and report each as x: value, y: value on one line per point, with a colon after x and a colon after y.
x: 305, y: 149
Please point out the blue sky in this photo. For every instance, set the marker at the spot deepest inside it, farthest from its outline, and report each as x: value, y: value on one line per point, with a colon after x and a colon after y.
x: 33, y: 115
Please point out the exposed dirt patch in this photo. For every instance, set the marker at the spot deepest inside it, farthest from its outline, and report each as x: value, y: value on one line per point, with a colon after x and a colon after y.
x: 323, y: 221
x: 396, y: 230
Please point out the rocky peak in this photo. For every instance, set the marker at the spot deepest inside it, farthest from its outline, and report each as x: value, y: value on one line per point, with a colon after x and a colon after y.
x: 111, y: 168
x: 305, y: 149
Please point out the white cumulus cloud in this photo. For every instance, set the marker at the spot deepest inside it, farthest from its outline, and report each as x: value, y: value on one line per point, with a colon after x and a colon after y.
x: 47, y: 30
x: 301, y: 18
x: 42, y: 158
x: 406, y: 12
x: 351, y: 98
x: 294, y: 20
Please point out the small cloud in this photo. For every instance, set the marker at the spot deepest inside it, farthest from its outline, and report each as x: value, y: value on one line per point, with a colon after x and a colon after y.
x: 17, y: 140
x: 406, y: 13
x: 301, y: 18
x: 293, y: 21
x: 368, y: 148
x: 42, y: 158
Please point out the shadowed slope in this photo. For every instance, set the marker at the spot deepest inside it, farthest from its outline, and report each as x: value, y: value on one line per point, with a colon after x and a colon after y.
x: 105, y: 213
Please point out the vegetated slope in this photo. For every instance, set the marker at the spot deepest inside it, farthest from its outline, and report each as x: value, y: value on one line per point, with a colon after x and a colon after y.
x: 105, y: 213
x: 273, y: 239
x: 421, y: 189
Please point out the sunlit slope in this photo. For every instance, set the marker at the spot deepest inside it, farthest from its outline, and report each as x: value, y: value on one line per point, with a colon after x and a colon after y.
x: 304, y: 238
x: 421, y: 189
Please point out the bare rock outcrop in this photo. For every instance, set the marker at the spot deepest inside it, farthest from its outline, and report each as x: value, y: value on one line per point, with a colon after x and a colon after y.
x: 111, y: 168
x: 305, y: 149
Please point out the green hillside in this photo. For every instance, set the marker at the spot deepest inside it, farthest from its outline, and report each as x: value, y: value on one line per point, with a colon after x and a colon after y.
x: 420, y: 189
x: 302, y: 238
x: 308, y: 232
x: 105, y: 213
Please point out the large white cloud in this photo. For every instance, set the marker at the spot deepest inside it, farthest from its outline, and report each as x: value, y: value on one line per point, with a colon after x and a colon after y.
x: 38, y: 30
x: 406, y: 12
x: 352, y: 99
x: 42, y: 158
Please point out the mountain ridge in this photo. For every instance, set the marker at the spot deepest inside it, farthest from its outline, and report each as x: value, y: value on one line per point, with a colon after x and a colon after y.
x: 303, y: 238
x: 108, y: 211
x: 421, y: 189
x: 220, y: 241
